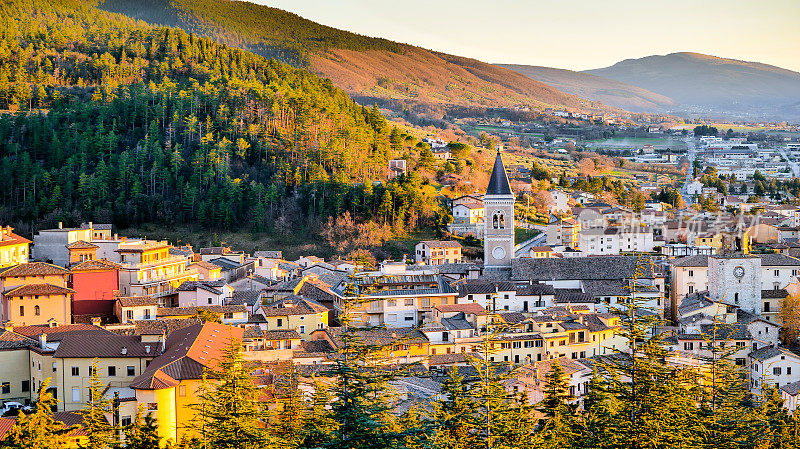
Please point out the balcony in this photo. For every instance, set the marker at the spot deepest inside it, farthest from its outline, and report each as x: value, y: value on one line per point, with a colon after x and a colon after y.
x: 157, y: 263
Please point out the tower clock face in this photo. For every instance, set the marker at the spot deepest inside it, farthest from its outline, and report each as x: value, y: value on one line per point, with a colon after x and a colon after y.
x: 738, y: 271
x: 498, y: 252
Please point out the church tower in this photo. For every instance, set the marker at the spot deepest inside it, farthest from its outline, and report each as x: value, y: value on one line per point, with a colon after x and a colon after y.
x: 498, y: 204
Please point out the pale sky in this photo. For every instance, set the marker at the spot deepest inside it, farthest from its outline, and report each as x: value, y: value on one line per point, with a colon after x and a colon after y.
x: 572, y: 34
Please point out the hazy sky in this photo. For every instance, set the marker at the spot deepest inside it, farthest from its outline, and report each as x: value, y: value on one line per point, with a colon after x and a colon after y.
x: 572, y: 34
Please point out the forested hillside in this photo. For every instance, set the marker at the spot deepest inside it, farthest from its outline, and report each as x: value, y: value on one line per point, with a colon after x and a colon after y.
x: 400, y: 76
x: 115, y: 120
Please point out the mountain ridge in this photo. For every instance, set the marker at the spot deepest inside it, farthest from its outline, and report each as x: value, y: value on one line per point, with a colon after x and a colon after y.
x: 711, y: 82
x: 349, y: 59
x: 585, y: 85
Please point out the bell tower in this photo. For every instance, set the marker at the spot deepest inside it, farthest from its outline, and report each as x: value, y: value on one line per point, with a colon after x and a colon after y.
x: 498, y: 204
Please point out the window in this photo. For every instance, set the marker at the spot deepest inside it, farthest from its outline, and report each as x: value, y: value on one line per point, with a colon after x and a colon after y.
x: 182, y: 390
x: 21, y: 310
x: 740, y: 361
x: 129, y: 314
x: 788, y: 370
x: 736, y: 298
x: 302, y: 329
x: 26, y: 385
x: 776, y: 371
x: 777, y: 273
x: 228, y: 315
x: 126, y: 421
x: 76, y: 394
x: 152, y: 406
x: 409, y: 318
x: 280, y: 322
x: 36, y: 310
x: 410, y: 301
x: 688, y: 346
x: 54, y: 367
x: 76, y: 371
x: 112, y: 371
x: 147, y: 314
x: 131, y: 370
x: 766, y: 306
x: 391, y: 303
x: 691, y: 273
x: 691, y: 289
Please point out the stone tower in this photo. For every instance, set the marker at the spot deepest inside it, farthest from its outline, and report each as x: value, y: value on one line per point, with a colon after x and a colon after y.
x: 735, y: 279
x: 498, y: 203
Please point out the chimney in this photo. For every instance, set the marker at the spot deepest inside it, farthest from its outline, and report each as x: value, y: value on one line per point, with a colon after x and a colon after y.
x: 8, y: 325
x: 91, y: 225
x: 124, y: 351
x: 163, y: 340
x: 60, y: 225
x: 96, y: 321
x: 42, y: 341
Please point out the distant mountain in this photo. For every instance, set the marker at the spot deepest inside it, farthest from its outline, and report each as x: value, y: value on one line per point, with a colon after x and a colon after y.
x: 702, y: 82
x: 593, y: 87
x: 369, y: 69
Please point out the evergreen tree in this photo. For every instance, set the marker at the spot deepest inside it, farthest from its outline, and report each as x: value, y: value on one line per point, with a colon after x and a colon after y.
x: 231, y: 412
x: 38, y: 430
x: 142, y: 433
x: 361, y: 399
x: 101, y: 433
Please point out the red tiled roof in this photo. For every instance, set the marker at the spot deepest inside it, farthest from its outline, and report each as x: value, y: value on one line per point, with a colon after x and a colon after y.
x: 13, y: 239
x: 38, y: 289
x: 96, y: 265
x: 188, y: 352
x: 34, y: 269
x: 59, y: 332
x: 471, y: 307
x: 82, y: 244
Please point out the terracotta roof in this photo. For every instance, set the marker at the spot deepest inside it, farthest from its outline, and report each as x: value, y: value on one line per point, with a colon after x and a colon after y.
x: 33, y: 269
x: 12, y: 239
x: 38, y: 289
x: 96, y: 265
x: 472, y: 307
x: 136, y: 301
x: 13, y: 340
x: 106, y: 346
x: 185, y: 311
x: 206, y: 265
x: 57, y: 333
x: 166, y: 327
x: 378, y: 336
x: 255, y: 332
x: 5, y: 425
x: 188, y: 352
x: 293, y: 305
x: 82, y: 244
x: 441, y: 243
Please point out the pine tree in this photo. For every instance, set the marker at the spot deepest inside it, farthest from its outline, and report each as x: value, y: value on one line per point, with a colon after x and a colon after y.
x: 557, y: 425
x: 289, y: 420
x: 319, y: 422
x: 231, y: 412
x: 452, y: 418
x: 361, y: 397
x: 100, y: 432
x: 38, y: 430
x: 142, y: 432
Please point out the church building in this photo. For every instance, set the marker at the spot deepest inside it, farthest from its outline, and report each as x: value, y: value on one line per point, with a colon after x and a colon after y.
x: 498, y: 203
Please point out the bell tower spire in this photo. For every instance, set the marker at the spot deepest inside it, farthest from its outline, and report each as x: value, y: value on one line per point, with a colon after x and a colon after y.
x: 498, y: 203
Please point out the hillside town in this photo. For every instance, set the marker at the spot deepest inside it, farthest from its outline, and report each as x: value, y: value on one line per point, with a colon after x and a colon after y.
x: 149, y: 316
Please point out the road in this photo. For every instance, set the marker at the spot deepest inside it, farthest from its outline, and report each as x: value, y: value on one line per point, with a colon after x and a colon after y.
x: 793, y: 165
x: 524, y: 248
x: 691, y: 150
